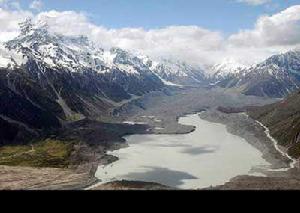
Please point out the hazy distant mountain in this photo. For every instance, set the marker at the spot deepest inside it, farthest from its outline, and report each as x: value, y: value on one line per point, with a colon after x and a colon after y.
x: 227, y: 67
x: 178, y: 72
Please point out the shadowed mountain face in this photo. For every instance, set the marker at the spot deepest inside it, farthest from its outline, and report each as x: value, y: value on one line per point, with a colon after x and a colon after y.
x: 283, y: 120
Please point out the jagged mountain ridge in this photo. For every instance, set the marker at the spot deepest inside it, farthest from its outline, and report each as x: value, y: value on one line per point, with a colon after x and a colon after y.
x: 275, y: 77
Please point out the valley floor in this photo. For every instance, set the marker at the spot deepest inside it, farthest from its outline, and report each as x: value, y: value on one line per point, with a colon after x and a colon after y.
x: 161, y: 110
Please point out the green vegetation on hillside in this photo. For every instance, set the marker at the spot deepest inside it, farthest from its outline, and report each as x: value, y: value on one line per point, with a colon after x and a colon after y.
x: 48, y: 153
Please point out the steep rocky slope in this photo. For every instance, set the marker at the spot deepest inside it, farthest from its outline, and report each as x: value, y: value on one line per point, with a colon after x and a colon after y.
x: 283, y: 120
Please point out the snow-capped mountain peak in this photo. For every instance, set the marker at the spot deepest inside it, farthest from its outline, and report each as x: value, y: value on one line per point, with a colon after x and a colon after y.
x: 71, y: 53
x: 56, y: 51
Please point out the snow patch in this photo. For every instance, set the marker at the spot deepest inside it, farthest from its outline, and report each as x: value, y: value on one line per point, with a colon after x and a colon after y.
x: 10, y: 58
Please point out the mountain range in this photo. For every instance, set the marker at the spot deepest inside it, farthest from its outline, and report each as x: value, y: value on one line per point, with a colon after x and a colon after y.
x: 47, y: 80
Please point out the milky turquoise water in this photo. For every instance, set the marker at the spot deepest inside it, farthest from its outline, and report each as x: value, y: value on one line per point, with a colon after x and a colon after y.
x: 209, y: 156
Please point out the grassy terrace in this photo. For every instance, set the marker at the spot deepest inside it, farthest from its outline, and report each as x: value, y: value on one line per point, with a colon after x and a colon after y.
x: 48, y: 153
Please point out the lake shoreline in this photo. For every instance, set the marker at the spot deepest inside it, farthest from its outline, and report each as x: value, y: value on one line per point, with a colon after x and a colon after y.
x: 281, y: 177
x: 166, y: 109
x: 201, y: 155
x: 270, y: 155
x: 190, y: 101
x: 247, y: 128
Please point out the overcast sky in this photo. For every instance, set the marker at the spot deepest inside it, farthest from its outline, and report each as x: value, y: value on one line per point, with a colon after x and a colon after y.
x: 202, y: 32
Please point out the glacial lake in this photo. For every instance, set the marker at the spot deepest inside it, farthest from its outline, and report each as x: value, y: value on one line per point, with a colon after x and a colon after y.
x: 209, y: 156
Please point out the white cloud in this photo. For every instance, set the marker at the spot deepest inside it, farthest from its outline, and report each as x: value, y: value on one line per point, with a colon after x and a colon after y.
x: 270, y: 35
x: 36, y: 5
x: 9, y: 21
x: 282, y: 29
x: 190, y: 43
